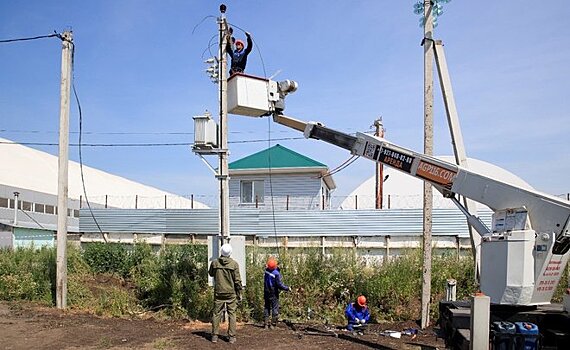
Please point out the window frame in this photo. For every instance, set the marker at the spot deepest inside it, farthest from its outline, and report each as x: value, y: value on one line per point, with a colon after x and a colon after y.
x: 255, y: 186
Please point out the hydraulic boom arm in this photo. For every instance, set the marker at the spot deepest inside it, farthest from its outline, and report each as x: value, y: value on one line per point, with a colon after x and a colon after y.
x: 539, y: 243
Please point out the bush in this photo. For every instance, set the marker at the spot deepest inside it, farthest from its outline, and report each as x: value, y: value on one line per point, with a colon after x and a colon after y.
x: 27, y: 274
x: 176, y: 279
x: 113, y: 279
x: 323, y: 286
x: 107, y: 257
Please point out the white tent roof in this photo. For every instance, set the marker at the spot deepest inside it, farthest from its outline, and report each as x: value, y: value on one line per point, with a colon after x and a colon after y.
x: 28, y: 168
x: 406, y: 191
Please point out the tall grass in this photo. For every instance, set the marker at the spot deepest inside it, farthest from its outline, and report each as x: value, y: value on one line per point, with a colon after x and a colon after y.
x: 117, y: 280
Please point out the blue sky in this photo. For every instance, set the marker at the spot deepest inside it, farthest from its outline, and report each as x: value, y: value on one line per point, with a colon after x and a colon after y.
x: 139, y: 73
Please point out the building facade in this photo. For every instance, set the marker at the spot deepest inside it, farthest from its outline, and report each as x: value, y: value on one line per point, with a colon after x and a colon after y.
x: 281, y: 179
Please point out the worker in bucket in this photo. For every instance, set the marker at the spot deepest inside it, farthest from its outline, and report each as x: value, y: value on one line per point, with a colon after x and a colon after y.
x: 272, y: 286
x: 357, y: 314
x: 227, y: 291
x: 239, y: 55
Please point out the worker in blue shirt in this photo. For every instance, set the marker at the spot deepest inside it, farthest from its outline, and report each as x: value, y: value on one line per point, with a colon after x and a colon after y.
x: 239, y: 55
x: 357, y: 313
x: 272, y: 285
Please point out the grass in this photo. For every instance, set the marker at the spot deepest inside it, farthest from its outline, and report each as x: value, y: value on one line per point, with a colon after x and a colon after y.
x: 110, y: 280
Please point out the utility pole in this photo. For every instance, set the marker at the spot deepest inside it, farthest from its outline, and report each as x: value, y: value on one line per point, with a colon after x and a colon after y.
x: 379, y: 166
x: 223, y: 175
x: 63, y: 162
x: 428, y: 149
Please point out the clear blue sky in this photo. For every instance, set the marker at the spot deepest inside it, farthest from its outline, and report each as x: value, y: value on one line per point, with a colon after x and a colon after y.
x: 139, y: 72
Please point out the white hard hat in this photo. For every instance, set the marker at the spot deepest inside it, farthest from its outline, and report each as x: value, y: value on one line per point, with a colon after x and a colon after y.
x: 226, y: 249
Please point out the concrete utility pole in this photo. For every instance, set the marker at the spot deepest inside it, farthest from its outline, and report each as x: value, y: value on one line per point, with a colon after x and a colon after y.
x: 379, y: 166
x: 428, y: 149
x: 223, y: 175
x: 63, y: 162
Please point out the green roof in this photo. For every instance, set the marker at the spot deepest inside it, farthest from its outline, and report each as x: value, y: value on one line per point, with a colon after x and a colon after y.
x: 276, y: 157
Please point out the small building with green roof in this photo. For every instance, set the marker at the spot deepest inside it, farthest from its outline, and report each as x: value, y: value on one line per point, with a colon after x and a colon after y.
x: 280, y: 177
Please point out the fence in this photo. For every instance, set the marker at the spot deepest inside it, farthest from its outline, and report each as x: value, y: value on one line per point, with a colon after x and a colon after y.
x: 192, y: 201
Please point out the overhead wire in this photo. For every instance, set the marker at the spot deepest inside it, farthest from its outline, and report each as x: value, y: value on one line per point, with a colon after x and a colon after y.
x: 341, y: 167
x: 271, y: 187
x: 138, y: 144
x: 202, y: 21
x: 124, y: 132
x: 257, y: 47
x: 80, y: 140
x: 31, y: 38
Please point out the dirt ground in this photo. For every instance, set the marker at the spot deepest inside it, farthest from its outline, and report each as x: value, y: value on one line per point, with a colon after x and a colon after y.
x: 24, y: 326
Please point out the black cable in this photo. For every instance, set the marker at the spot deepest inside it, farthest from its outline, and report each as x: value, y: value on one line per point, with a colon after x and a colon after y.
x: 124, y: 132
x: 341, y: 167
x: 271, y: 187
x: 80, y: 137
x: 202, y: 21
x: 139, y: 144
x: 31, y: 38
x: 209, y: 47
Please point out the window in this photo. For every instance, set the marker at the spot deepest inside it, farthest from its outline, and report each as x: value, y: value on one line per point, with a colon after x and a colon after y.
x: 27, y: 206
x: 252, y: 191
x: 50, y: 209
x: 4, y: 202
x: 39, y: 208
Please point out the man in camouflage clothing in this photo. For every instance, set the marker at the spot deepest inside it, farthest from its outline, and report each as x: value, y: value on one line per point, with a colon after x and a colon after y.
x: 227, y: 291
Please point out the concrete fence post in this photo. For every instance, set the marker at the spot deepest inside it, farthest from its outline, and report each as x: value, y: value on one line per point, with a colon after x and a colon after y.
x: 450, y: 290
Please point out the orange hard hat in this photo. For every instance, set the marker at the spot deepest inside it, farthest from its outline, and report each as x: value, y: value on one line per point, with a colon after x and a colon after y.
x: 361, y: 300
x: 271, y: 263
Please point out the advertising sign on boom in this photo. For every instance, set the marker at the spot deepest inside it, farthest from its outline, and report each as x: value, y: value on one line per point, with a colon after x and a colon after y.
x: 436, y: 173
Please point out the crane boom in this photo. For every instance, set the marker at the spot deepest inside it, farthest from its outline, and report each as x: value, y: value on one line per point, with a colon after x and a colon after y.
x: 527, y: 248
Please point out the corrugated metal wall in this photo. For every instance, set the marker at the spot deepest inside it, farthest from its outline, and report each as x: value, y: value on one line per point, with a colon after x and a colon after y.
x: 403, y: 222
x: 28, y: 237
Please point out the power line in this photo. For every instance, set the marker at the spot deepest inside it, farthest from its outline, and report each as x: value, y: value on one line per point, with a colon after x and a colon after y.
x: 31, y: 38
x: 125, y: 132
x: 139, y: 144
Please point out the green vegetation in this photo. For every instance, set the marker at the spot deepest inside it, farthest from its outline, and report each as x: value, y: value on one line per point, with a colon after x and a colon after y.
x: 121, y: 280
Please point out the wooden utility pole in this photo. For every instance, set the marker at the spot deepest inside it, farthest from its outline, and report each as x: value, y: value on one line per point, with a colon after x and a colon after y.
x: 428, y: 149
x: 63, y: 162
x: 223, y: 175
x: 379, y: 166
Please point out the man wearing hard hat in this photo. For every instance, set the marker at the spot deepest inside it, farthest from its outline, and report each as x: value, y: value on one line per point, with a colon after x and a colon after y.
x: 272, y: 285
x: 227, y: 291
x: 357, y: 313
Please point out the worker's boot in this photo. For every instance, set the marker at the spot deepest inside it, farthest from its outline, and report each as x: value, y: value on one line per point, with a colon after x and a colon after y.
x: 266, y: 323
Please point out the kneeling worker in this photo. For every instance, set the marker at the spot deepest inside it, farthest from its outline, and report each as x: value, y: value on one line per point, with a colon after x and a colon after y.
x: 357, y: 313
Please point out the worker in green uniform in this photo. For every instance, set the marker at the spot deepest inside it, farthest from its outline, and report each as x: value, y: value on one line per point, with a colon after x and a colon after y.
x: 227, y: 291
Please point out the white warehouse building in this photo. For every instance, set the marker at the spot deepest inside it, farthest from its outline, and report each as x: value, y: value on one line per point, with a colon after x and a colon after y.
x: 33, y: 174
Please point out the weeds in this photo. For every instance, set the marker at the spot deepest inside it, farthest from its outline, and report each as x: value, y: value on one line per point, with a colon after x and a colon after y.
x: 115, y: 280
